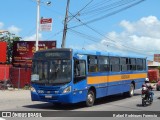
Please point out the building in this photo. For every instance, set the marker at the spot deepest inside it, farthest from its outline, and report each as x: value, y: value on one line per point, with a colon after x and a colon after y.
x: 153, y: 65
x: 157, y: 57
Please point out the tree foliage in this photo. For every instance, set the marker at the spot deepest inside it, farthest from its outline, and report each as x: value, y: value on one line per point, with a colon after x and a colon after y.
x: 9, y: 38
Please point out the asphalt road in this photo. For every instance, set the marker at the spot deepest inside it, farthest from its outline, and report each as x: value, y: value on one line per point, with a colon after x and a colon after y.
x: 19, y: 100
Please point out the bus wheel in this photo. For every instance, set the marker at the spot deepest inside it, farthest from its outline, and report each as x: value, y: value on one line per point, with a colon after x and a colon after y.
x: 90, y: 98
x: 131, y: 91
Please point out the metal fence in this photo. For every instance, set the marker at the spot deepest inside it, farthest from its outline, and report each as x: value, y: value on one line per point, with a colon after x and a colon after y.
x: 4, y: 72
x: 18, y: 77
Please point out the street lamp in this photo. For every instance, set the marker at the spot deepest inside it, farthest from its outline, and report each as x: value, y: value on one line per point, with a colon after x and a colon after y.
x: 38, y: 21
x: 37, y: 27
x: 48, y: 3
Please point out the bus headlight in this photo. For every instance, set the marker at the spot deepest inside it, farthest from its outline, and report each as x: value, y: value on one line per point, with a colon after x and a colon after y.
x: 33, y: 89
x: 67, y: 90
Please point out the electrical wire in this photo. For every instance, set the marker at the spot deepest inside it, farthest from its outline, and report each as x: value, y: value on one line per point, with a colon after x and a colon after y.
x: 101, y: 33
x: 102, y: 12
x: 109, y: 14
x: 94, y: 39
x: 112, y: 44
x: 57, y: 33
x: 107, y: 7
x: 80, y: 11
x: 97, y: 4
x: 30, y: 32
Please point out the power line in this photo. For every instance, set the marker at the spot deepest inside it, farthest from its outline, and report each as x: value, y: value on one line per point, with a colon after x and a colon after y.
x: 107, y: 15
x: 99, y: 3
x: 30, y: 32
x: 103, y: 11
x: 80, y: 11
x: 89, y: 37
x: 103, y: 36
x: 57, y: 33
x: 93, y: 39
x: 107, y: 7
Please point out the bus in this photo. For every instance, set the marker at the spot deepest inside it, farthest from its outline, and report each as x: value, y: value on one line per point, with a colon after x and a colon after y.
x: 65, y: 75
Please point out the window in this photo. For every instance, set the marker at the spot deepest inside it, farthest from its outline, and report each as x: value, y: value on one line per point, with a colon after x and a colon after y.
x: 123, y: 62
x: 144, y: 64
x: 82, y: 68
x: 79, y: 70
x: 114, y: 60
x: 139, y: 64
x: 59, y: 71
x: 133, y: 61
x: 103, y: 64
x: 114, y: 64
x: 92, y: 64
x: 42, y: 70
x: 132, y: 64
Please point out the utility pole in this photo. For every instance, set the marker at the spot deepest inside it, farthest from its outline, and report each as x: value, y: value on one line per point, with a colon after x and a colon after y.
x: 65, y: 26
x: 38, y: 21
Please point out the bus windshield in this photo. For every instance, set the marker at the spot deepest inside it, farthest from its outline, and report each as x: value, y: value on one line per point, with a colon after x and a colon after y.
x: 51, y: 71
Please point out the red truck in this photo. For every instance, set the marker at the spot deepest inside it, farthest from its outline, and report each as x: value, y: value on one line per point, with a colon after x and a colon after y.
x: 158, y: 85
x: 153, y: 75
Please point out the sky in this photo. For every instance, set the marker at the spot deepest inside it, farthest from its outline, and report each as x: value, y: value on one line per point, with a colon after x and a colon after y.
x: 122, y: 26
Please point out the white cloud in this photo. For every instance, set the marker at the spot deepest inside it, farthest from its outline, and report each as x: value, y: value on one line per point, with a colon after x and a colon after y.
x: 14, y: 29
x: 1, y: 25
x: 128, y: 26
x: 151, y: 20
x: 32, y: 37
x: 140, y: 36
x: 146, y: 26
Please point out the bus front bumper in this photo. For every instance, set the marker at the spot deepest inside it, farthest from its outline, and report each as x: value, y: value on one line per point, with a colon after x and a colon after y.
x: 52, y: 98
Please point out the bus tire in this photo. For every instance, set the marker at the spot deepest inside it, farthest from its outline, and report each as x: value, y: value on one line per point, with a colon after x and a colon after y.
x: 131, y: 91
x: 90, y: 98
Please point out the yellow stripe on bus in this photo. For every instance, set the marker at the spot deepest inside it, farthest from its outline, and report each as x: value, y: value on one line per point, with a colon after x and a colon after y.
x: 114, y: 78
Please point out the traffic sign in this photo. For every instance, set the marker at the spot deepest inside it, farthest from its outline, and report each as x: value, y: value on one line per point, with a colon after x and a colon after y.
x: 46, y: 24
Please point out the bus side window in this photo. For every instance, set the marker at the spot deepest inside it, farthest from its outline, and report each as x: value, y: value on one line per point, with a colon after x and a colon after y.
x: 93, y: 64
x: 76, y: 68
x: 79, y: 70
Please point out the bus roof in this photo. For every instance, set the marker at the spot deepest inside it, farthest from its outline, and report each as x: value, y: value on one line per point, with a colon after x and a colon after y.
x: 93, y: 52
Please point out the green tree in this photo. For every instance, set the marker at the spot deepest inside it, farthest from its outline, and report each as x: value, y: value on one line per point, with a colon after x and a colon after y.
x: 9, y: 38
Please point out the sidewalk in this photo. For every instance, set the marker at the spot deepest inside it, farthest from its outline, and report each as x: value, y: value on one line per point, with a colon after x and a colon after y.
x: 14, y: 99
x: 14, y: 94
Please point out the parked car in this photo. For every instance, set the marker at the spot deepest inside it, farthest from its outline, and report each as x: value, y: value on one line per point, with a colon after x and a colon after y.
x: 158, y: 85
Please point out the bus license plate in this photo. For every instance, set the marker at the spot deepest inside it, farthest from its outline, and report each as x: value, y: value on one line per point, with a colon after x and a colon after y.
x: 48, y: 96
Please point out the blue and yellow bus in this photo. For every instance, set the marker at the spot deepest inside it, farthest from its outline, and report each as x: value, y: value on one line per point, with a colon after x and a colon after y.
x: 72, y: 76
